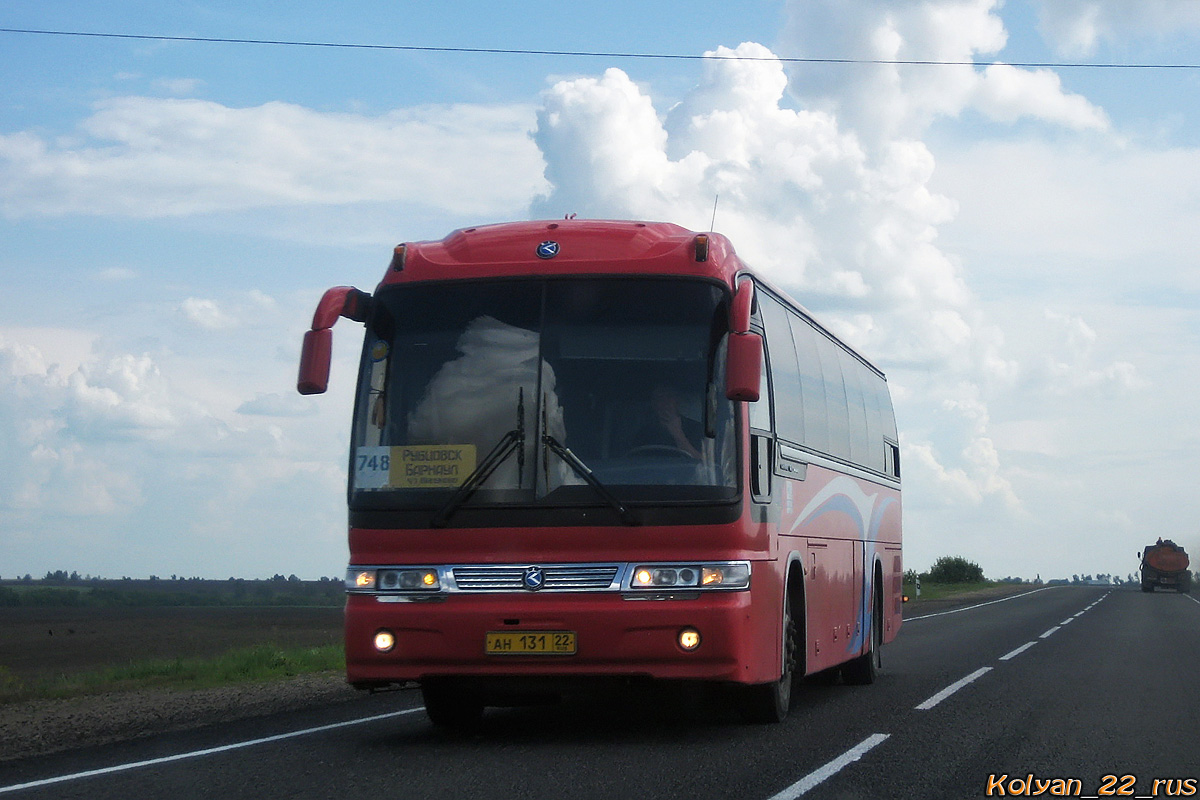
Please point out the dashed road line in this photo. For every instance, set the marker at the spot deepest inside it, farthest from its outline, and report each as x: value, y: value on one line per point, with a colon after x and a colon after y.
x: 821, y: 774
x: 1009, y: 656
x: 855, y: 753
x: 952, y: 688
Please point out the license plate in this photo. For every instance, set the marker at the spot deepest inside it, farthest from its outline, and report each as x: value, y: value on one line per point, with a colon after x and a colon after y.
x: 525, y: 643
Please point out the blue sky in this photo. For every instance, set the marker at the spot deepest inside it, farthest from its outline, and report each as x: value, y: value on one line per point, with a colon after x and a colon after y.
x: 1014, y: 246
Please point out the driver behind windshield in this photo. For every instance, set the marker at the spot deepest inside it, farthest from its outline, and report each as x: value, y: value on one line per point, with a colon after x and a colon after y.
x: 667, y: 427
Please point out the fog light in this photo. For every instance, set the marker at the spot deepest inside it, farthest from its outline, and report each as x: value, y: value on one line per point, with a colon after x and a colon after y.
x: 689, y: 638
x: 384, y: 641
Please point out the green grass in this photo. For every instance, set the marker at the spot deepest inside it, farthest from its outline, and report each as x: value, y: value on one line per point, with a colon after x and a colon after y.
x: 941, y: 591
x: 251, y: 664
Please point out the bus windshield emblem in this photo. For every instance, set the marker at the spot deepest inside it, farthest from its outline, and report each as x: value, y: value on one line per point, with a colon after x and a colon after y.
x: 534, y: 578
x: 547, y: 250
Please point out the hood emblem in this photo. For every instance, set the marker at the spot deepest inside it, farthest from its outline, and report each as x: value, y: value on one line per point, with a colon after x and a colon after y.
x: 547, y: 250
x: 534, y: 578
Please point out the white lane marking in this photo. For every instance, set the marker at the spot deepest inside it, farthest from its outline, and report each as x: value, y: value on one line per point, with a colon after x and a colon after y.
x: 198, y: 753
x: 817, y: 776
x: 1011, y: 655
x: 977, y: 605
x: 1194, y: 600
x: 1049, y: 632
x: 952, y: 688
x: 1066, y: 621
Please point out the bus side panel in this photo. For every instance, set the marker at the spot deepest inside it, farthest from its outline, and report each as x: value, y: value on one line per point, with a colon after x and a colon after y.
x: 842, y: 525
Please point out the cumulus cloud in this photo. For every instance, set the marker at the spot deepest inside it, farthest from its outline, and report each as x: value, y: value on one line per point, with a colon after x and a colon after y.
x: 124, y: 396
x: 46, y: 417
x: 833, y: 199
x: 886, y: 101
x: 1007, y: 94
x: 104, y: 453
x: 147, y: 157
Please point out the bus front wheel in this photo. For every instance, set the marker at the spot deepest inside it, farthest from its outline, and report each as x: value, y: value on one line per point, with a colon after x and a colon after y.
x: 769, y: 702
x: 450, y: 703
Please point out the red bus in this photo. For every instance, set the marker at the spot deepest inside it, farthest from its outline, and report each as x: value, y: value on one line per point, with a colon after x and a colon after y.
x: 589, y: 450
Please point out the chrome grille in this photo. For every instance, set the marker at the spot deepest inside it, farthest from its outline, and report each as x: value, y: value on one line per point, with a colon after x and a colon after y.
x: 558, y: 577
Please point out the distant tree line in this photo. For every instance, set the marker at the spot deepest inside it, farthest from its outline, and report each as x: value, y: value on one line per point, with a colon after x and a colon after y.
x: 60, y: 588
x: 956, y: 569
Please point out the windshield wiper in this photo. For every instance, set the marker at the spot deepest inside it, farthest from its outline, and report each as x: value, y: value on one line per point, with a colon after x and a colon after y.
x: 513, y: 440
x: 582, y: 470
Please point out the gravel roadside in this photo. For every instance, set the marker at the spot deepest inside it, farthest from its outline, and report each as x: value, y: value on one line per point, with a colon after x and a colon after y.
x: 38, y: 727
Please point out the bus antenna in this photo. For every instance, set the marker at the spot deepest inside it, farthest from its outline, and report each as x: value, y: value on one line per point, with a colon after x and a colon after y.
x: 713, y: 225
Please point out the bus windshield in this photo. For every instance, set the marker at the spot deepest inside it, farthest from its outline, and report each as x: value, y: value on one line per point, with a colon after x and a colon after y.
x: 544, y: 392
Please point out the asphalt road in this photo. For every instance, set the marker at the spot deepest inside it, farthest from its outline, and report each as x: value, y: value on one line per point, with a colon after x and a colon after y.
x: 1068, y: 690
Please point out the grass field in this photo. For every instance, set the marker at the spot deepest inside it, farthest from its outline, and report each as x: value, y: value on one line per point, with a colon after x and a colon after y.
x: 49, y: 652
x: 942, y: 591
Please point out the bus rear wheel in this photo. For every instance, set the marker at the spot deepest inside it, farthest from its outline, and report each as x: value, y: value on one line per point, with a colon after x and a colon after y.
x: 864, y: 669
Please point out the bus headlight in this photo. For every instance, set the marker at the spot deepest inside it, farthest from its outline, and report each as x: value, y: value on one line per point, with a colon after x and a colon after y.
x: 392, y: 579
x: 409, y: 580
x: 730, y: 575
x: 360, y: 580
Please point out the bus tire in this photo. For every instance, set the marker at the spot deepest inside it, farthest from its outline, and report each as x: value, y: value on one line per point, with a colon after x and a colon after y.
x: 450, y: 704
x: 865, y: 668
x: 769, y: 703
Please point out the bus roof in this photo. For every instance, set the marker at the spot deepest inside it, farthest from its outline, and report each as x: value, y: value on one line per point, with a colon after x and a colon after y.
x: 565, y: 247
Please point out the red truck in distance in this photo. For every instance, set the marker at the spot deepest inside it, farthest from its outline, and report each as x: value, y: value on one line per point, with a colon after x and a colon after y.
x: 1165, y: 565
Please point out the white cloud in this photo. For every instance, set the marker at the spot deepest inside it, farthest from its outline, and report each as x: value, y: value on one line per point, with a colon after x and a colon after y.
x: 206, y: 314
x: 104, y: 460
x: 1075, y: 211
x: 1070, y: 368
x: 145, y: 157
x: 273, y: 404
x: 1077, y: 27
x: 1007, y: 94
x: 125, y: 396
x: 883, y: 102
x: 178, y: 86
x: 116, y: 274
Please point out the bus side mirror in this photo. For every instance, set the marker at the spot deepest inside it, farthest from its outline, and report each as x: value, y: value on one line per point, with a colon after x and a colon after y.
x: 317, y: 350
x: 315, y: 355
x: 743, y: 367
